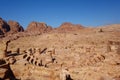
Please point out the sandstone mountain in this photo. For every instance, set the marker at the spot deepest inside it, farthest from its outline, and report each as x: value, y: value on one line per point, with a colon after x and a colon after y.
x: 34, y: 28
x: 11, y: 27
x: 67, y: 26
x: 15, y: 27
x: 4, y: 27
x: 37, y: 27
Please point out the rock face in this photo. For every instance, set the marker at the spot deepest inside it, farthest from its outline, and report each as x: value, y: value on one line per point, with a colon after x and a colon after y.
x: 4, y: 27
x: 9, y: 28
x: 15, y: 27
x: 37, y: 27
x: 69, y: 27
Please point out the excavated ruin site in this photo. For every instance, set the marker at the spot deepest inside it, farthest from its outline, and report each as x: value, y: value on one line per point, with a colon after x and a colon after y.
x: 69, y: 52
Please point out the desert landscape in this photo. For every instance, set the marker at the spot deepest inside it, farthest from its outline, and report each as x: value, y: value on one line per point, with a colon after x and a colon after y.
x: 68, y: 52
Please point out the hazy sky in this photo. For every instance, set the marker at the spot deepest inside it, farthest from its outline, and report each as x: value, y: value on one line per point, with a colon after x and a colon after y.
x: 55, y: 12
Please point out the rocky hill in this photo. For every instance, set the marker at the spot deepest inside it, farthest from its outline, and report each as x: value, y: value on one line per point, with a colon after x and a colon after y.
x: 15, y: 27
x: 9, y: 28
x: 37, y: 27
x: 4, y: 27
x: 67, y: 26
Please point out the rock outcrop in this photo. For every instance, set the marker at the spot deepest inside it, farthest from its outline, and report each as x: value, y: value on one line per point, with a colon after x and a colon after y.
x: 15, y: 27
x: 37, y: 27
x: 4, y: 27
x: 67, y: 26
x: 11, y: 27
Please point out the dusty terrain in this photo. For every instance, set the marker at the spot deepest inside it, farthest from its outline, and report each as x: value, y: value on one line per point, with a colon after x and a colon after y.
x: 85, y: 54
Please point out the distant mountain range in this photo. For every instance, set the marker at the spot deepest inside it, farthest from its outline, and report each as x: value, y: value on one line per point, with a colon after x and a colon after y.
x: 11, y: 28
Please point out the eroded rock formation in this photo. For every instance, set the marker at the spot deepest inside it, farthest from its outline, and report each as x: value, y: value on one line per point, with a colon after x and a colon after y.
x: 15, y: 27
x: 37, y: 27
x: 67, y: 26
x: 4, y: 27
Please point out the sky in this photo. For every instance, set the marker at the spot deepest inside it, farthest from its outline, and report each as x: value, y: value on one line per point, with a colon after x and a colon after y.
x: 55, y: 12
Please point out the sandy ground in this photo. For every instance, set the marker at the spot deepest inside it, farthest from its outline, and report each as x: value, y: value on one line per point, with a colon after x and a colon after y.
x: 86, y: 54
